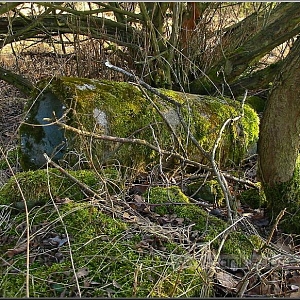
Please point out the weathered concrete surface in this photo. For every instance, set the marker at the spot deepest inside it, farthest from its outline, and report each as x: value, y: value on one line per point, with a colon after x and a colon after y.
x: 120, y: 109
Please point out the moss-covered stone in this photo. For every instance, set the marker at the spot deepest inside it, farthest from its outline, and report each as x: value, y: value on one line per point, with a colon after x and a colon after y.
x: 120, y: 109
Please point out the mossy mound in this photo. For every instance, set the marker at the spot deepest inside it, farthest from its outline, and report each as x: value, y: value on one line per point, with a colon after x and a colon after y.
x: 39, y: 186
x: 106, y: 259
x: 238, y: 244
x: 120, y: 109
x: 111, y: 258
x: 191, y: 213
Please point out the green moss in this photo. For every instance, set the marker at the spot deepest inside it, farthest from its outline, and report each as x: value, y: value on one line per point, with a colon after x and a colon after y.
x: 255, y: 198
x: 286, y: 195
x: 191, y: 213
x: 107, y: 249
x: 178, y: 97
x: 256, y: 241
x: 240, y: 247
x: 209, y: 114
x: 126, y: 112
x: 237, y: 244
x: 209, y: 191
x: 111, y: 253
x: 37, y: 185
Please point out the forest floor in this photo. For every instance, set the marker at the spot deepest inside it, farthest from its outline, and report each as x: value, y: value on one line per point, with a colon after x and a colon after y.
x: 281, y: 279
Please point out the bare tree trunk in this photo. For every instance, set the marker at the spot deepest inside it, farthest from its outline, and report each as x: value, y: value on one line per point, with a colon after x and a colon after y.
x: 279, y: 139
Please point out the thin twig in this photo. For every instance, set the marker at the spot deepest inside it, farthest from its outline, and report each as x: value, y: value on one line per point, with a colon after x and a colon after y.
x: 278, y: 218
x: 65, y: 229
x: 220, y: 177
x: 87, y: 189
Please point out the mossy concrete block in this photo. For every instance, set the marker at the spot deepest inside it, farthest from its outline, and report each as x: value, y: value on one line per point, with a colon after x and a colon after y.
x: 120, y: 109
x: 38, y: 139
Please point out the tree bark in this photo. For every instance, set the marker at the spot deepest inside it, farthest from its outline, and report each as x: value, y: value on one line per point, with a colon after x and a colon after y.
x: 280, y: 126
x: 20, y: 82
x: 258, y: 81
x: 279, y: 142
x: 283, y: 25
